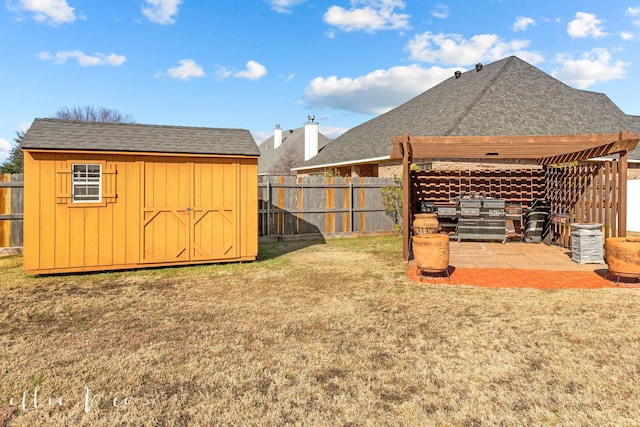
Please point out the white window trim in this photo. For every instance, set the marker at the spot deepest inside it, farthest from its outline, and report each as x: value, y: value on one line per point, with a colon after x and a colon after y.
x: 85, y: 182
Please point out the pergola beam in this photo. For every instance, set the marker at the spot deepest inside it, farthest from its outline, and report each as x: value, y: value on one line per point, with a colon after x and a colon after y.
x: 516, y: 147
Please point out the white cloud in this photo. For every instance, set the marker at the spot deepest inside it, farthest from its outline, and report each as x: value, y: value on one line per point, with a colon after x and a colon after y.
x: 368, y: 16
x: 260, y: 136
x: 627, y: 35
x: 453, y: 49
x: 5, y: 148
x: 284, y: 6
x: 83, y: 59
x: 223, y: 73
x: 161, y: 12
x: 634, y: 12
x: 522, y: 23
x: 23, y: 127
x: 332, y: 132
x: 376, y: 92
x: 254, y: 71
x: 185, y: 71
x: 441, y: 11
x: 53, y: 12
x: 586, y: 25
x: 592, y: 67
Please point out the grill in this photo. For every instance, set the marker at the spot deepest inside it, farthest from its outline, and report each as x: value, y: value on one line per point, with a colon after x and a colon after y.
x: 536, y: 222
x: 481, y: 219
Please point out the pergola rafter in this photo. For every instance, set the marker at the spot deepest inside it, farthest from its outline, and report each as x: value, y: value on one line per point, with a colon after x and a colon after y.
x: 544, y: 149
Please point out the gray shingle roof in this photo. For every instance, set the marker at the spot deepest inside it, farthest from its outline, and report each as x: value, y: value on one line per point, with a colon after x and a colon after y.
x: 55, y: 134
x: 634, y: 126
x: 507, y: 97
x: 292, y: 146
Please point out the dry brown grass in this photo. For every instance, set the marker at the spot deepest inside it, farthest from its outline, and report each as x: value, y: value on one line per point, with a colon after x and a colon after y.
x: 313, y: 334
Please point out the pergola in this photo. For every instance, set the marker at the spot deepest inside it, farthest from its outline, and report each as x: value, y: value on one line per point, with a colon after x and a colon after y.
x: 545, y: 150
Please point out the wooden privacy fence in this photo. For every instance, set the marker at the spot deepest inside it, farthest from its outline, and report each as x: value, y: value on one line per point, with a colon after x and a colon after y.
x: 304, y: 205
x: 586, y: 192
x: 11, y: 213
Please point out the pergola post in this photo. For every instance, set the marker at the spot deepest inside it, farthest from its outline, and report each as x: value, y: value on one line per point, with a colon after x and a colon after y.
x: 622, y: 188
x: 407, y: 214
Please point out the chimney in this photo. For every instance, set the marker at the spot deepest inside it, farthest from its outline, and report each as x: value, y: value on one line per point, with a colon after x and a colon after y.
x: 277, y: 137
x: 310, y: 138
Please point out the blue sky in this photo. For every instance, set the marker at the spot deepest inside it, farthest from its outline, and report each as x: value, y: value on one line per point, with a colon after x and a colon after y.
x: 253, y: 63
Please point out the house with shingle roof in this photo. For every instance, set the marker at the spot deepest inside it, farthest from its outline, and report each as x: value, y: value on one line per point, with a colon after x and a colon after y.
x: 634, y: 126
x: 508, y: 97
x: 286, y: 148
x: 107, y: 196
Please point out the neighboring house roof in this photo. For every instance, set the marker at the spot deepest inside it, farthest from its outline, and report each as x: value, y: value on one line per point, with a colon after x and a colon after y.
x: 55, y: 134
x: 507, y: 97
x: 290, y: 152
x: 634, y: 126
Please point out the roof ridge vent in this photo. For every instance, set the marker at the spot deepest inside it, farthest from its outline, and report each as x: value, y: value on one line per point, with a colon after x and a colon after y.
x: 479, y: 66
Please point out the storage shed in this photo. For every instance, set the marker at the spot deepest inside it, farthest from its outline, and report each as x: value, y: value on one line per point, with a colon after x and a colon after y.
x: 106, y: 196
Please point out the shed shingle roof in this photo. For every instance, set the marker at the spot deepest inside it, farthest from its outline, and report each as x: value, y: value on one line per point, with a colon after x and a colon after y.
x: 508, y: 97
x: 55, y: 134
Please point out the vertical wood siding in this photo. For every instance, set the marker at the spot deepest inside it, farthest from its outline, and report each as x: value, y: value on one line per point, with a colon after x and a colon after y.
x: 156, y: 210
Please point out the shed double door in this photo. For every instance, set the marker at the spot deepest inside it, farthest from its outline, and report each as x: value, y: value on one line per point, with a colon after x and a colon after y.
x: 189, y: 210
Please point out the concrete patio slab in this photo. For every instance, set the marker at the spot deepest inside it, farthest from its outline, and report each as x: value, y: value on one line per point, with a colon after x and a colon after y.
x: 515, y: 255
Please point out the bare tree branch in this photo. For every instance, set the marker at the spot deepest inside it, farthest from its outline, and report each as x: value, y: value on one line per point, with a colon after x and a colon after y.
x: 89, y: 113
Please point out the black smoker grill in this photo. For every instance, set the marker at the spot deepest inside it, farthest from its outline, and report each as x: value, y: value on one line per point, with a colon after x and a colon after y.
x: 481, y: 218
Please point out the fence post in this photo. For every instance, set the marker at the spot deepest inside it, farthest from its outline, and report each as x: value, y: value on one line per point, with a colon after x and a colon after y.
x: 11, y: 211
x: 17, y: 208
x: 351, y: 206
x: 5, y: 208
x: 268, y: 207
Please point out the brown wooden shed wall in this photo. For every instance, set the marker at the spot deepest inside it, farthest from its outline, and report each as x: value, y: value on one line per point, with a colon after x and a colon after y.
x: 155, y: 210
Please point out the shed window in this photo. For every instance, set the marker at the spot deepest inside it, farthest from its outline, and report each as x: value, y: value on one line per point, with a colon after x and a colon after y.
x: 86, y: 183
